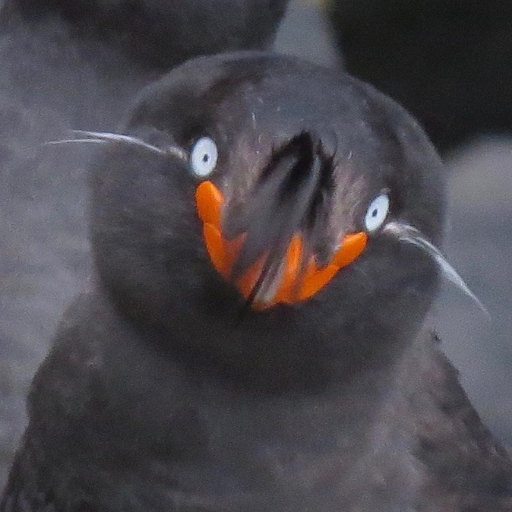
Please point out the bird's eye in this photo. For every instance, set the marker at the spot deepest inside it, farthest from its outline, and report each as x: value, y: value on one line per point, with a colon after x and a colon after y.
x: 377, y: 212
x: 203, y: 157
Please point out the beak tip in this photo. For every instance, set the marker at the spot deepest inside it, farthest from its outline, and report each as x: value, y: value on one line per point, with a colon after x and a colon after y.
x: 351, y: 248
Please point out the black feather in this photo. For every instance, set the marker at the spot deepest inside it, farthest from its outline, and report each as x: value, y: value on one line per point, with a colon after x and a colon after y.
x: 292, y: 196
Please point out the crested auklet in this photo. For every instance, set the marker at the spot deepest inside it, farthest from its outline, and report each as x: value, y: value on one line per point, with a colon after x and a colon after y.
x: 256, y: 337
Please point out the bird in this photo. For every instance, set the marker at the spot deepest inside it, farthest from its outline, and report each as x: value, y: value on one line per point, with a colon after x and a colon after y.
x: 76, y: 65
x: 266, y: 247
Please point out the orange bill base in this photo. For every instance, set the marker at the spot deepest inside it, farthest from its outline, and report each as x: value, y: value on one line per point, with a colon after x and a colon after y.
x: 293, y: 286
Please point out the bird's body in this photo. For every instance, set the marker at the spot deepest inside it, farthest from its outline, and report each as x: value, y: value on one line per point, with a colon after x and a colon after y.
x: 169, y: 389
x: 66, y: 66
x: 131, y: 429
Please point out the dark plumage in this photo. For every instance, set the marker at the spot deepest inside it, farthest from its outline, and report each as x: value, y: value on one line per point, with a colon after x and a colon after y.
x: 165, y: 389
x: 70, y: 65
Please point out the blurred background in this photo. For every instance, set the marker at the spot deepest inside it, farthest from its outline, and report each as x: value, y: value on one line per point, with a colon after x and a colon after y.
x: 449, y: 62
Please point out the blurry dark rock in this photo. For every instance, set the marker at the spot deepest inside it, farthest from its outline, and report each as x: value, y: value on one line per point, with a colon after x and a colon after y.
x: 448, y: 61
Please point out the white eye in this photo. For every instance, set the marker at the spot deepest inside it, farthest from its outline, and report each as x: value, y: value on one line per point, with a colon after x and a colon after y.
x: 203, y: 157
x: 377, y: 212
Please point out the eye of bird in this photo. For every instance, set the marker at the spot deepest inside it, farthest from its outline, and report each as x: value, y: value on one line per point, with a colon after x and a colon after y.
x: 377, y: 212
x: 203, y: 157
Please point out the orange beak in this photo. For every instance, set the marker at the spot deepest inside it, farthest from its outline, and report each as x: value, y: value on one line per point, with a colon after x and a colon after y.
x: 223, y: 254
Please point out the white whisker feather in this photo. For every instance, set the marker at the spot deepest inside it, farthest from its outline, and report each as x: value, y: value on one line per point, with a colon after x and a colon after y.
x: 105, y: 137
x: 411, y: 235
x: 117, y: 137
x: 70, y: 141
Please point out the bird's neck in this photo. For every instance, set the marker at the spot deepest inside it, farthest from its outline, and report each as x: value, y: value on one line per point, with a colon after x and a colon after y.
x: 352, y: 443
x: 353, y: 390
x: 359, y: 433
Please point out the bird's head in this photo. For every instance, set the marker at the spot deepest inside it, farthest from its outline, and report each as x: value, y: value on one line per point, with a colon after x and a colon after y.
x: 259, y: 204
